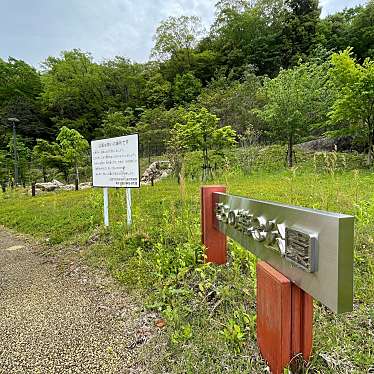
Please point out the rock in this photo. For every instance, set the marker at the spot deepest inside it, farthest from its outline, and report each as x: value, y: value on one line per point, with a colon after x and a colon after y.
x: 68, y: 187
x: 57, y: 183
x: 84, y: 187
x: 339, y: 144
x: 48, y: 186
x: 156, y: 171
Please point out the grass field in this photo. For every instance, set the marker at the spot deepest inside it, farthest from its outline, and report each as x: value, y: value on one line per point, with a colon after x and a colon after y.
x: 210, y: 310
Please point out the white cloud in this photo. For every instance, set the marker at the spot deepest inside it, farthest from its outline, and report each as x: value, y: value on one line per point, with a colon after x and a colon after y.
x: 332, y: 6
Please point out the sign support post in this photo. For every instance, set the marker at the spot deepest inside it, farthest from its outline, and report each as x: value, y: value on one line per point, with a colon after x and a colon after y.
x: 115, y: 163
x: 106, y: 206
x: 215, y: 242
x: 129, y: 207
x: 306, y: 254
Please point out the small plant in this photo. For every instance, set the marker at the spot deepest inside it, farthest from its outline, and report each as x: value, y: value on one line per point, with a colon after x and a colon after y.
x: 183, y: 334
x: 238, y: 329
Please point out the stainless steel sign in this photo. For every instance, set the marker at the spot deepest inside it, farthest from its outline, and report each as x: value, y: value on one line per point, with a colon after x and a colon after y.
x: 313, y: 248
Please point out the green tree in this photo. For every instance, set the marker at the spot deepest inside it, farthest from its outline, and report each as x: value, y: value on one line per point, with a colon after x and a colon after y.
x: 335, y: 31
x: 157, y: 91
x: 74, y: 90
x: 154, y: 129
x: 186, y: 88
x: 362, y: 32
x: 177, y: 34
x: 4, y: 168
x: 296, y: 100
x: 117, y: 124
x: 74, y: 147
x: 43, y: 155
x: 125, y: 83
x: 20, y: 87
x: 247, y: 34
x: 299, y: 30
x: 233, y: 102
x: 23, y: 159
x: 353, y: 109
x: 200, y: 131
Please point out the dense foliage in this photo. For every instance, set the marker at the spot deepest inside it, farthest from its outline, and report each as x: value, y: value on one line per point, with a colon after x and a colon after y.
x: 255, y: 53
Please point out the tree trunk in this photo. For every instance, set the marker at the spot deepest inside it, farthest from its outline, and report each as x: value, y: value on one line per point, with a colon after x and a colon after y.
x: 77, y: 173
x: 205, y: 164
x: 76, y: 177
x: 370, y: 149
x: 290, y: 152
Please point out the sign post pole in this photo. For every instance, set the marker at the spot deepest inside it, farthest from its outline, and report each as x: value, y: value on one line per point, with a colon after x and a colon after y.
x: 214, y: 241
x: 128, y: 204
x: 106, y: 206
x: 115, y: 163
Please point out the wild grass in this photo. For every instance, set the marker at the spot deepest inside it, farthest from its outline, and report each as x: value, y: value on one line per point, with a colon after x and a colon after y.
x: 210, y: 310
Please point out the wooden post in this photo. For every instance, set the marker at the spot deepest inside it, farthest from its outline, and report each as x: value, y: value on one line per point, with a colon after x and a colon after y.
x: 302, y: 322
x: 215, y: 242
x: 76, y: 184
x: 284, y: 318
x: 33, y: 189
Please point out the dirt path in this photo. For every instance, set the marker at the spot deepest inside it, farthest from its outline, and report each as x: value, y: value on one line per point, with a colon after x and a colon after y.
x: 58, y: 319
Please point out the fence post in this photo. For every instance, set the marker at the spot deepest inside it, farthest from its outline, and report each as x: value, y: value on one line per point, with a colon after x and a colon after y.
x: 33, y: 189
x: 214, y: 241
x: 284, y: 318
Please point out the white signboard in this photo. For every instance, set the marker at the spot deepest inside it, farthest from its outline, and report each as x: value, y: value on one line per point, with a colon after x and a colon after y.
x: 115, y: 162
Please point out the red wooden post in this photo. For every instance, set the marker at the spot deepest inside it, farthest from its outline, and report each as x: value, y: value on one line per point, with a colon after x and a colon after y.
x: 214, y: 241
x: 284, y: 318
x: 302, y: 322
x: 273, y: 317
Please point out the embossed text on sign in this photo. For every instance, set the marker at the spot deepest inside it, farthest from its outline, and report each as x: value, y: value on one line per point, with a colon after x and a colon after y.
x: 314, y: 249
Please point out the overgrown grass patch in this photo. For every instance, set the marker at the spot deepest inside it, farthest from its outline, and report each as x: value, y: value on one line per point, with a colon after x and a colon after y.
x: 210, y: 310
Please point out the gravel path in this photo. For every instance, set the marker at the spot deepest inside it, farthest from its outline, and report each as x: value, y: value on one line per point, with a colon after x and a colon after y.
x: 58, y: 319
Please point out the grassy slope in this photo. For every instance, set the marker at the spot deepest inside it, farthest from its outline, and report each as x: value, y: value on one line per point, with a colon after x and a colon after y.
x: 210, y: 310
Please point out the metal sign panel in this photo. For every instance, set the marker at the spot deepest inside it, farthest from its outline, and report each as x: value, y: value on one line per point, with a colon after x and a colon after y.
x: 313, y: 248
x: 115, y: 162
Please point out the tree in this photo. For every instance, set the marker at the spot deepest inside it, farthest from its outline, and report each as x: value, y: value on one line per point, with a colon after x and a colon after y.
x: 233, y: 102
x: 43, y: 155
x: 157, y: 91
x: 177, y: 34
x: 117, y: 124
x: 23, y: 158
x: 125, y: 83
x: 20, y: 87
x: 299, y: 30
x: 154, y: 129
x: 362, y: 32
x: 295, y: 100
x: 247, y: 34
x: 200, y: 131
x: 353, y: 109
x: 74, y: 90
x: 335, y: 31
x: 186, y: 88
x: 73, y: 146
x: 4, y: 169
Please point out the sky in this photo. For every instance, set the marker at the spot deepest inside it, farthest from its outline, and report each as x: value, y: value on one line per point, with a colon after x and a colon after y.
x: 32, y: 30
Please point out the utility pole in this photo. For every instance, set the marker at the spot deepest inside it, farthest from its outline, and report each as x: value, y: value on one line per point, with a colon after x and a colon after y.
x: 14, y: 121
